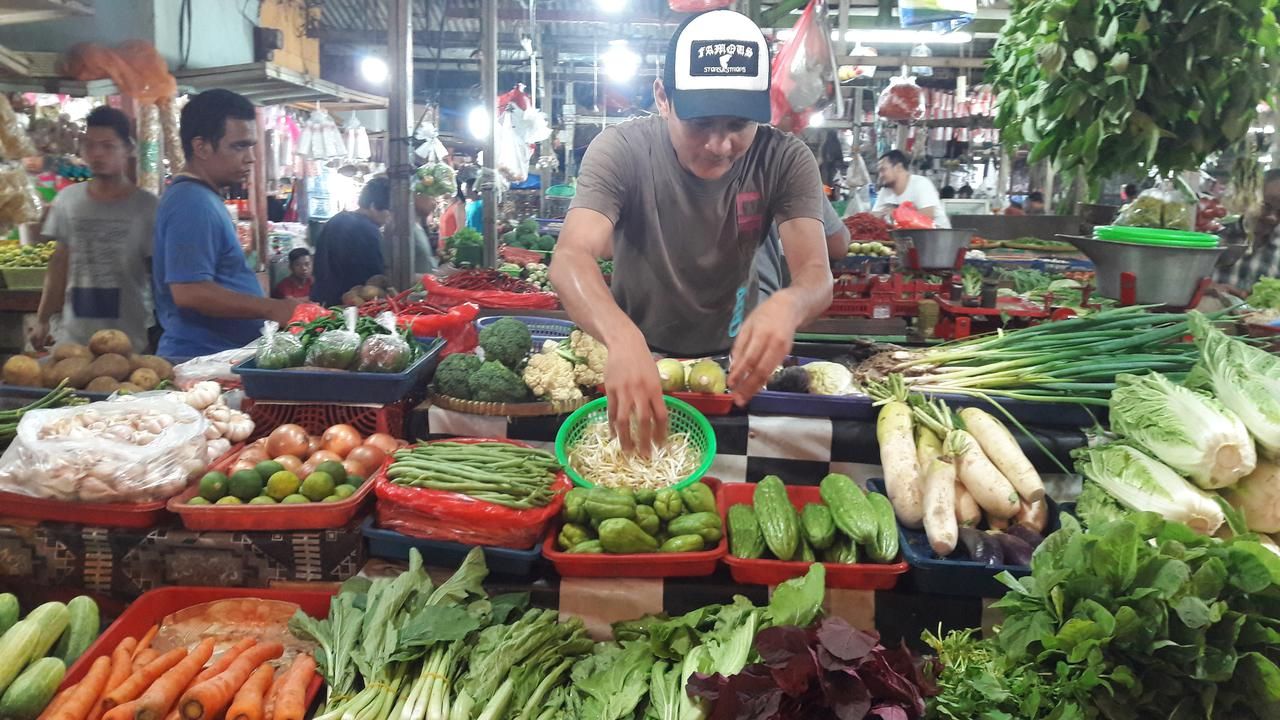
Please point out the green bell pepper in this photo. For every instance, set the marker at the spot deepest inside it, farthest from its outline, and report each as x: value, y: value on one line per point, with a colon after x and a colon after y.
x: 590, y: 547
x: 623, y: 536
x: 605, y: 503
x: 682, y: 543
x: 572, y: 535
x: 648, y: 520
x: 646, y: 496
x: 698, y: 498
x: 574, y: 509
x: 703, y: 524
x: 667, y: 504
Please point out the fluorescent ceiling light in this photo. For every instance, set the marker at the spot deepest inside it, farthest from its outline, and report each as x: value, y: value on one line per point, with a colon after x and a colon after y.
x: 374, y: 69
x: 619, y: 62
x: 611, y: 6
x: 817, y: 120
x: 478, y: 123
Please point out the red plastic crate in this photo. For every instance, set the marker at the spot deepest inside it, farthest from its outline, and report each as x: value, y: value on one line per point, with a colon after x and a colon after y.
x: 712, y: 404
x: 312, y: 516
x: 643, y: 565
x: 318, y: 417
x: 155, y: 605
x: 859, y: 576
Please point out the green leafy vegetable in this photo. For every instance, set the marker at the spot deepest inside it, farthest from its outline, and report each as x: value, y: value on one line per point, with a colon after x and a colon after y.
x: 1265, y: 294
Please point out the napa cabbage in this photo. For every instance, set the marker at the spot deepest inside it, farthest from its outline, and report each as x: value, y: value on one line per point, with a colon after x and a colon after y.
x: 1244, y: 378
x: 1144, y: 484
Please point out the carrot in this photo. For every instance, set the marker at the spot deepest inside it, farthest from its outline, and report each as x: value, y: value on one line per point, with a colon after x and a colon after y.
x: 123, y: 711
x: 250, y: 700
x: 61, y: 698
x: 166, y: 690
x: 146, y: 640
x: 211, y: 697
x: 142, y: 657
x: 139, y: 681
x: 79, y: 701
x: 224, y: 661
x: 121, y: 659
x: 291, y: 699
x: 273, y: 692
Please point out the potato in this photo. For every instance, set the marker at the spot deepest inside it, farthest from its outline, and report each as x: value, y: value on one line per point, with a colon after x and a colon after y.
x: 111, y: 365
x: 128, y: 388
x: 380, y: 281
x: 22, y: 370
x: 369, y: 292
x: 103, y: 384
x: 161, y: 367
x: 62, y: 351
x: 104, y: 342
x: 49, y: 376
x: 76, y: 371
x: 144, y: 378
x: 351, y: 299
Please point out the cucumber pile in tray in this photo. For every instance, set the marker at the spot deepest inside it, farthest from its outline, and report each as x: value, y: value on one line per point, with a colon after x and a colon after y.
x: 36, y: 650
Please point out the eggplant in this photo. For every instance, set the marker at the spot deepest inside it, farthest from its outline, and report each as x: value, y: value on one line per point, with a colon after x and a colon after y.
x: 1026, y: 534
x: 1016, y: 550
x: 981, y: 547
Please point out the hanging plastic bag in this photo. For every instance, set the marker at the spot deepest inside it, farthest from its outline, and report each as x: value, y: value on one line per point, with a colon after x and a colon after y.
x: 385, y: 352
x: 1164, y: 206
x: 429, y: 147
x: 19, y: 200
x: 435, y: 179
x: 278, y: 350
x: 336, y: 349
x: 804, y: 73
x: 939, y: 15
x: 511, y: 155
x: 14, y: 143
x: 907, y: 217
x: 902, y: 101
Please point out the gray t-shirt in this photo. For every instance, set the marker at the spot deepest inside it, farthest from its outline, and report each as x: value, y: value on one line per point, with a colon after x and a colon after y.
x: 684, y: 248
x: 110, y: 243
x: 770, y: 266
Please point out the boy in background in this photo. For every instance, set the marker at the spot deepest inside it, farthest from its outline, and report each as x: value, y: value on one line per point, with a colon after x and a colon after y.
x: 298, y: 284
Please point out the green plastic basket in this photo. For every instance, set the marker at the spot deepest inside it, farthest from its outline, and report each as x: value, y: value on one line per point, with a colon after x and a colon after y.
x: 682, y: 418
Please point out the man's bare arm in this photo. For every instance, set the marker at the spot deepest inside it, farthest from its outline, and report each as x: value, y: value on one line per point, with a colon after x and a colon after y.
x: 210, y: 298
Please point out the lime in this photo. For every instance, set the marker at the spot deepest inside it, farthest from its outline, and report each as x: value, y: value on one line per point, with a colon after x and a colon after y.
x: 282, y: 484
x: 230, y: 500
x: 343, y: 491
x: 197, y: 500
x: 295, y: 500
x: 263, y: 500
x: 267, y: 468
x: 355, y: 481
x: 334, y: 470
x: 213, y: 486
x: 332, y: 499
x: 318, y: 486
x: 246, y: 484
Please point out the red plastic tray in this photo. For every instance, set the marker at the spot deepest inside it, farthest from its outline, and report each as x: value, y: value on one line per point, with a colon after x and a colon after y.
x: 643, y: 565
x: 312, y: 516
x: 707, y: 403
x: 155, y: 605
x: 859, y: 576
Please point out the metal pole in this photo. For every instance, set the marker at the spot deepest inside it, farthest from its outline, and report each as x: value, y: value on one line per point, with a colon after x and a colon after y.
x: 489, y: 83
x: 399, y: 124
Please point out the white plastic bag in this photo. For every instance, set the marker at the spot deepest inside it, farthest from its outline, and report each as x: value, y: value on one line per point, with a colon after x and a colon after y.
x: 512, y: 156
x: 135, y: 451
x: 215, y: 367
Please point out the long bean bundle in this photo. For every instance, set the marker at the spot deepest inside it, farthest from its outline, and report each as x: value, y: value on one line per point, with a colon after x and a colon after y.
x: 57, y: 397
x: 500, y: 473
x: 1075, y: 360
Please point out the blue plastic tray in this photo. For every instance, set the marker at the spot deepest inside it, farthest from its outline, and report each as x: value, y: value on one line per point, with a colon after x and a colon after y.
x: 942, y: 576
x: 338, y: 386
x: 392, y: 545
x: 543, y: 329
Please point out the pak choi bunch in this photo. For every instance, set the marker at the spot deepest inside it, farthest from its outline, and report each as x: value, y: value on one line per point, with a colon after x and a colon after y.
x: 1144, y: 484
x: 1244, y: 378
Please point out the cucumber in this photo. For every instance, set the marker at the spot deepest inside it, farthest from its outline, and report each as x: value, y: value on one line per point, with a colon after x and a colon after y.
x: 9, y: 611
x: 779, y: 521
x: 745, y: 540
x: 52, y: 619
x: 16, y: 649
x: 27, y: 697
x: 850, y: 509
x: 82, y: 629
x: 819, y: 529
x: 884, y: 549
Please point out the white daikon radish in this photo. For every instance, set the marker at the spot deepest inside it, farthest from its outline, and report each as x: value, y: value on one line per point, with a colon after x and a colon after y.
x: 1034, y: 515
x: 928, y: 447
x: 968, y: 514
x: 940, y: 506
x: 993, y: 491
x: 898, y: 460
x: 999, y: 445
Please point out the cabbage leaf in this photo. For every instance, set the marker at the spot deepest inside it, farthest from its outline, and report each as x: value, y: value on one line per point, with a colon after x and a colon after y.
x: 1144, y: 484
x: 1244, y: 378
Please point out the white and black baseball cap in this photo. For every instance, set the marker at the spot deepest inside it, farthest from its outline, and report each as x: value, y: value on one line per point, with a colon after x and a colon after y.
x: 718, y: 66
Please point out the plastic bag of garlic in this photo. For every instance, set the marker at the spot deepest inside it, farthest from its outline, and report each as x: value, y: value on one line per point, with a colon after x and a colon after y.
x: 131, y: 452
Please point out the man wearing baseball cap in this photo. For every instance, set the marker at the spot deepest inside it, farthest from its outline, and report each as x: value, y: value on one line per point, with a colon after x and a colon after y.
x: 681, y: 201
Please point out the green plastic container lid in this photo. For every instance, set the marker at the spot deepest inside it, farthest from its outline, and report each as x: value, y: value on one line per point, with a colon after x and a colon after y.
x: 1155, y: 236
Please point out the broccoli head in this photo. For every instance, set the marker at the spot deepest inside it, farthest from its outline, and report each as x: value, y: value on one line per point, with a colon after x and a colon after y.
x: 527, y: 227
x: 453, y: 375
x: 507, y: 341
x: 546, y: 243
x: 494, y: 382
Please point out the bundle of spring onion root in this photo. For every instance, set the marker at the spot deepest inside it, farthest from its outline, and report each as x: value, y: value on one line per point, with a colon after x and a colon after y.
x: 1068, y: 361
x: 599, y: 458
x: 509, y: 475
x: 944, y: 472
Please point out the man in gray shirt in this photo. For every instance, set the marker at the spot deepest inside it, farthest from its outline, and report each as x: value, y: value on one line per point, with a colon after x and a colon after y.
x: 681, y: 202
x: 97, y: 278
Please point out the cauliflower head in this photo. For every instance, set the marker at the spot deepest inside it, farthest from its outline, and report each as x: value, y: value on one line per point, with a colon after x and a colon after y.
x: 592, y: 357
x: 550, y: 376
x: 828, y: 378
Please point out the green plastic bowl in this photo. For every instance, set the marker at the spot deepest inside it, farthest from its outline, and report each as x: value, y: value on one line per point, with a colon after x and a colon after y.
x: 1155, y: 236
x: 682, y: 418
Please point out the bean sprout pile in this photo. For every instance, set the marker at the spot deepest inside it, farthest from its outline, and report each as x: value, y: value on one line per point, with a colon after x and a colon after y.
x: 599, y: 459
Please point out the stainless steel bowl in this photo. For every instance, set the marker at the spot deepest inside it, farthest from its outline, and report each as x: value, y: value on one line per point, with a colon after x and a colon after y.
x: 935, y: 249
x: 1165, y: 275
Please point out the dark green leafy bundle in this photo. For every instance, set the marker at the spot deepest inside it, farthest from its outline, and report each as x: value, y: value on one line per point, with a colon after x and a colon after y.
x: 1111, y: 86
x: 1142, y: 618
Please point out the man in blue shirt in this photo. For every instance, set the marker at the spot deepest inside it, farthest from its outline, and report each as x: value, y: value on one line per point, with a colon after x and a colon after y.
x: 207, y: 298
x: 349, y: 249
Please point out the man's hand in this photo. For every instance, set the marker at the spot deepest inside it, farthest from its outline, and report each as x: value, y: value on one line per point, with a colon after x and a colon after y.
x: 1225, y: 291
x: 635, y: 396
x: 766, y: 339
x: 282, y: 309
x: 39, y: 336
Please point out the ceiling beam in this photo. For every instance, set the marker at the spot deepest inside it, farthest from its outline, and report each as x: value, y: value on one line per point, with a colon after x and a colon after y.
x: 967, y: 63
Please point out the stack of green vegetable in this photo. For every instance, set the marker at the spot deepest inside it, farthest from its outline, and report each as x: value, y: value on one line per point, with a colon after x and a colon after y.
x: 340, y: 340
x: 830, y: 531
x: 509, y: 373
x: 509, y: 475
x: 405, y: 649
x: 526, y: 236
x: 605, y: 520
x: 435, y: 179
x: 538, y: 274
x: 36, y: 651
x: 1135, y: 618
x: 465, y: 247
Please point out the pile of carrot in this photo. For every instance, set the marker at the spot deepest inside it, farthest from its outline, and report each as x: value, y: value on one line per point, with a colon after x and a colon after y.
x: 138, y: 682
